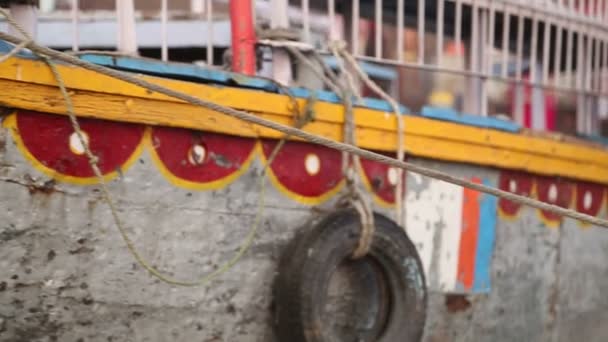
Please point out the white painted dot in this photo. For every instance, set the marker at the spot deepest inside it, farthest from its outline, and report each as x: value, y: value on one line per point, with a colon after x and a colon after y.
x: 392, y: 175
x: 76, y: 145
x: 553, y: 193
x: 312, y: 164
x: 512, y: 185
x: 197, y: 154
x: 587, y: 200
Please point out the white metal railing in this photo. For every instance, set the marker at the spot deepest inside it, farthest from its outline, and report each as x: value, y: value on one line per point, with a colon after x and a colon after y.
x: 126, y: 26
x: 562, y: 21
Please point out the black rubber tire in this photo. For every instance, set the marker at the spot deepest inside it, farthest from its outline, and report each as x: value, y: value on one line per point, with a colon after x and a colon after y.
x: 313, y: 256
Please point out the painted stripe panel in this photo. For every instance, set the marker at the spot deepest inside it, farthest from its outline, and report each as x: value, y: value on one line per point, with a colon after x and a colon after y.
x: 468, y: 238
x: 420, y: 219
x: 453, y: 229
x: 449, y: 203
x: 433, y: 224
x: 485, y: 241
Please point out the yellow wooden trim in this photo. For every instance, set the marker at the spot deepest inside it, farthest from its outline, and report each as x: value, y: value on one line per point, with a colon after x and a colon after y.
x: 31, y: 86
x: 33, y: 71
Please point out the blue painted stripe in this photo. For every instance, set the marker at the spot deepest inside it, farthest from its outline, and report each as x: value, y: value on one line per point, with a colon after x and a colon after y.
x: 328, y: 96
x: 448, y: 114
x: 221, y: 77
x: 179, y: 70
x: 372, y: 69
x: 594, y: 138
x: 6, y: 47
x: 485, y: 241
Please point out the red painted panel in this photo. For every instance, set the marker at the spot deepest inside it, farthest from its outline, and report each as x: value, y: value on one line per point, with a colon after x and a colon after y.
x: 47, y: 138
x: 468, y: 237
x: 554, y: 191
x: 378, y: 179
x: 589, y: 198
x: 200, y: 157
x: 516, y: 182
x: 289, y: 168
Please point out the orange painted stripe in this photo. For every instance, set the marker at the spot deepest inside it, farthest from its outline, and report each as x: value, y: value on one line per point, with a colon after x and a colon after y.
x: 468, y: 237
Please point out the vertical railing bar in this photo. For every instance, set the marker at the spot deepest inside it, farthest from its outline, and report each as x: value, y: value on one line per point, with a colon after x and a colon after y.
x: 458, y: 24
x: 440, y: 16
x: 378, y: 28
x: 533, y: 77
x: 305, y: 20
x: 490, y: 51
x: 164, y: 51
x: 482, y: 65
x: 546, y: 48
x: 579, y: 60
x: 558, y: 54
x: 400, y: 29
x: 569, y: 54
x: 75, y: 23
x: 126, y: 31
x: 355, y: 28
x: 520, y: 46
x: 533, y: 48
x: 474, y: 52
x: 331, y: 14
x: 580, y: 98
x: 209, y: 11
x: 597, y: 72
x: 505, y: 41
x: 421, y: 13
x: 519, y: 88
x: 588, y: 77
x: 605, y: 78
x: 589, y: 85
x: 589, y: 62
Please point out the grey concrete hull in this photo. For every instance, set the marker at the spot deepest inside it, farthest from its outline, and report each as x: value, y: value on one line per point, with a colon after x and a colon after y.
x: 67, y: 275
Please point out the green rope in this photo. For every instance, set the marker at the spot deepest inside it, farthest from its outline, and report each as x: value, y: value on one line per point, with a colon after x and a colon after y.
x: 93, y: 160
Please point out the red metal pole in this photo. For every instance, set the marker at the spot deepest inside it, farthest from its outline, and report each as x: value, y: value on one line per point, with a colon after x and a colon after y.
x: 243, y: 37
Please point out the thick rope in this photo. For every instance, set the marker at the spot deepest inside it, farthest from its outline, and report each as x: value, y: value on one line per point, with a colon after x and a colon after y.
x: 354, y: 196
x: 351, y: 163
x: 400, y: 128
x: 319, y: 73
x: 313, y: 138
